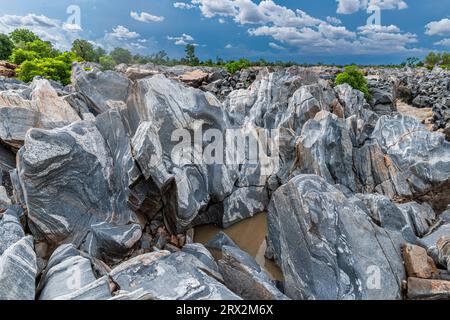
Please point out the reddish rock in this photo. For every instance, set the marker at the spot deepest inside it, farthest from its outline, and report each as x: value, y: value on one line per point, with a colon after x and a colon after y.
x: 425, y: 289
x: 7, y: 69
x: 417, y: 262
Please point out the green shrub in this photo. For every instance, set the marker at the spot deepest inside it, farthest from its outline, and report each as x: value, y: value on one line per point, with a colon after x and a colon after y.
x: 6, y: 47
x: 19, y: 55
x: 355, y: 78
x: 58, y: 68
x: 235, y: 66
x: 107, y: 63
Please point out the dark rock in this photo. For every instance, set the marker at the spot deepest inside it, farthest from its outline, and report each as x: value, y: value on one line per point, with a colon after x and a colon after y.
x: 328, y: 248
x: 18, y: 271
x: 245, y: 277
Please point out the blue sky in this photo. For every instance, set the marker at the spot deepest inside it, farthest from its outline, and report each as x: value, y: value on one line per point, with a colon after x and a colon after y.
x: 331, y: 31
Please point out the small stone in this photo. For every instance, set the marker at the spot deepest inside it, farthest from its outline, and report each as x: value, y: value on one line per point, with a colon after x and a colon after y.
x: 424, y: 289
x: 418, y: 264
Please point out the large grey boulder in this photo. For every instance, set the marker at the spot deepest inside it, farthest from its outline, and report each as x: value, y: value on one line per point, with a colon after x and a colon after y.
x: 422, y: 156
x: 326, y: 149
x: 102, y: 90
x: 70, y: 276
x: 74, y: 186
x: 18, y: 271
x: 160, y: 115
x: 167, y: 276
x: 328, y: 248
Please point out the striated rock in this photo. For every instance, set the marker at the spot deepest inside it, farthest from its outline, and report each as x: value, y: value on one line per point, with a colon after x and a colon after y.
x: 325, y: 148
x: 425, y: 289
x: 11, y: 230
x: 421, y: 217
x: 70, y: 276
x: 328, y: 248
x: 18, y: 271
x: 417, y: 262
x: 75, y: 163
x: 387, y: 215
x: 166, y: 276
x: 43, y: 108
x: 351, y: 100
x: 423, y: 157
x: 245, y: 277
x: 103, y: 90
x: 5, y: 201
x: 443, y: 252
x: 157, y: 121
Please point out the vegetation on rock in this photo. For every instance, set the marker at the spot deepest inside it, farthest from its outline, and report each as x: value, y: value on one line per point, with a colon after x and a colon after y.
x: 355, y: 78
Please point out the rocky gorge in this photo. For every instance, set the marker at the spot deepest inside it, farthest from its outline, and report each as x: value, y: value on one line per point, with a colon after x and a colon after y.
x: 95, y: 205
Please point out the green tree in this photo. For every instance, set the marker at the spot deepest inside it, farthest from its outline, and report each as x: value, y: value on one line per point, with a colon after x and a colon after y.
x: 191, y: 58
x: 36, y: 49
x: 58, y: 68
x: 355, y: 78
x: 19, y: 56
x: 446, y: 58
x: 121, y: 55
x: 23, y: 36
x: 84, y: 49
x: 235, y: 66
x: 6, y: 47
x: 107, y: 63
x: 99, y: 52
x: 433, y: 59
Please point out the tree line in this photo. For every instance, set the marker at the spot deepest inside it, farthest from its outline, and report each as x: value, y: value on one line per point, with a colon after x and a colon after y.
x: 36, y: 57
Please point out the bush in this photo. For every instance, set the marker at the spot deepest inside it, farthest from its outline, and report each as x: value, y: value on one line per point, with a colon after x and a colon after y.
x: 107, y: 63
x: 6, y: 47
x: 355, y: 78
x: 235, y: 66
x: 19, y: 56
x: 23, y: 36
x: 58, y: 68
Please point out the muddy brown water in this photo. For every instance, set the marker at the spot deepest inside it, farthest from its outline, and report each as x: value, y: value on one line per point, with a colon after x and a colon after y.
x: 249, y: 235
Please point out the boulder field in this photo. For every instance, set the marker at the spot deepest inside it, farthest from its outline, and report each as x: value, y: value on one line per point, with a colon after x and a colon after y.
x: 101, y: 187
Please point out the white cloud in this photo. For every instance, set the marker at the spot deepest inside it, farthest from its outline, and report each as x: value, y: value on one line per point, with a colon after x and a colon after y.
x: 443, y: 42
x: 122, y: 33
x: 182, y: 40
x: 229, y: 46
x: 183, y: 5
x: 53, y: 30
x: 221, y: 20
x: 352, y: 6
x: 297, y: 28
x: 441, y: 28
x: 275, y: 46
x: 145, y: 17
x: 333, y: 20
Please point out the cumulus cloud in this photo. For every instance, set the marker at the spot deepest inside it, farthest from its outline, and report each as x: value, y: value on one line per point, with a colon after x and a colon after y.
x: 145, y: 17
x: 183, y: 5
x: 182, y: 40
x: 122, y: 33
x: 333, y: 20
x: 443, y: 42
x: 53, y: 30
x: 441, y: 28
x: 275, y: 46
x: 229, y: 46
x: 352, y: 6
x: 296, y: 28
